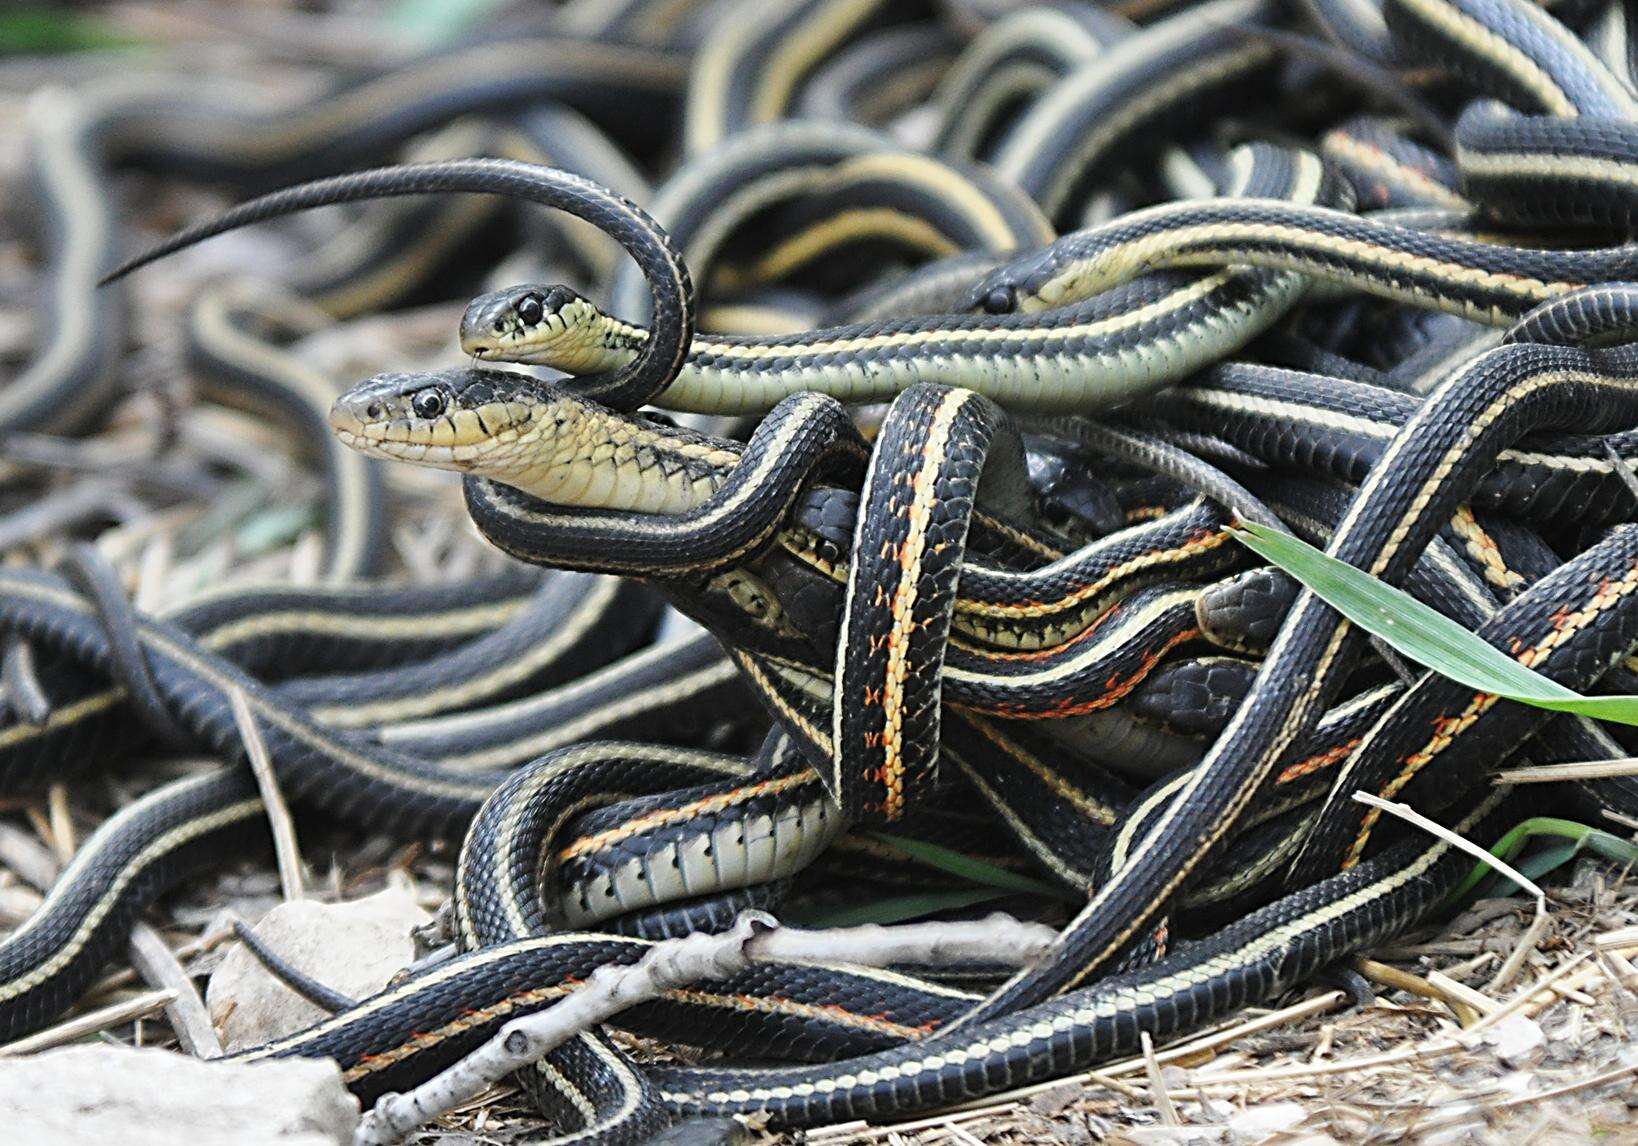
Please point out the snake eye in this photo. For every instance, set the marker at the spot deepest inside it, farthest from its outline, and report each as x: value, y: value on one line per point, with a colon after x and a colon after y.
x: 427, y: 403
x: 530, y: 309
x: 1001, y: 300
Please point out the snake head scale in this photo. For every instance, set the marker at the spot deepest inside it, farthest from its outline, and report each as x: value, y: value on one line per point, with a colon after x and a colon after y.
x: 531, y: 435
x: 547, y: 325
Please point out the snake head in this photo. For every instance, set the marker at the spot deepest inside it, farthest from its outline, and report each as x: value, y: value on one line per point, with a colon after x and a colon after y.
x: 1021, y: 285
x: 546, y: 326
x: 451, y: 419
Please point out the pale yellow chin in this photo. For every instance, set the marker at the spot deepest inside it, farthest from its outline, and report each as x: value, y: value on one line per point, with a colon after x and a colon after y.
x: 571, y: 359
x: 406, y: 445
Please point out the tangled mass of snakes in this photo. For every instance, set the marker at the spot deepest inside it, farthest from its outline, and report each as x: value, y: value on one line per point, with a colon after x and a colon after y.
x: 916, y: 362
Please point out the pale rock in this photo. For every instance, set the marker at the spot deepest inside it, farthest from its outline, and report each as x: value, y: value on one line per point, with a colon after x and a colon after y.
x: 1517, y: 1039
x: 1257, y: 1122
x: 137, y: 1097
x: 353, y: 948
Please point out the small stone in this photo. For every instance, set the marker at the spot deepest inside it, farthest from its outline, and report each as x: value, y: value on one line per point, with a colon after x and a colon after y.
x: 1257, y: 1122
x: 1050, y: 1103
x: 1517, y: 1039
x: 156, y: 1098
x: 353, y: 948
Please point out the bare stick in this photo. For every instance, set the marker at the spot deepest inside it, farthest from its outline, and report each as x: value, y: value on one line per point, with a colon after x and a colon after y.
x: 1157, y: 1085
x: 674, y: 963
x: 62, y: 823
x: 159, y: 967
x: 1411, y: 816
x: 285, y: 849
x: 27, y: 858
x: 91, y: 1022
x: 1579, y: 770
x: 1538, y: 925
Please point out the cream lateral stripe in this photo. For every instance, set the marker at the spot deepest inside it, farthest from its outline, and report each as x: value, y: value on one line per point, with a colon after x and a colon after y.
x: 334, y: 748
x: 251, y: 130
x: 665, y: 817
x: 1039, y: 848
x: 1094, y: 811
x: 1106, y: 644
x: 1224, y: 241
x: 858, y: 223
x: 463, y: 620
x: 61, y: 716
x: 1482, y: 42
x: 1198, y: 776
x: 1205, y: 73
x: 525, y: 706
x: 1388, y: 167
x: 1287, y: 411
x: 349, y: 509
x: 959, y: 339
x: 458, y: 967
x: 1314, y: 415
x: 586, y: 615
x: 57, y: 124
x: 1577, y: 167
x: 1134, y: 820
x: 109, y: 892
x: 924, y: 493
x: 795, y: 53
x: 523, y: 748
x: 1034, y: 131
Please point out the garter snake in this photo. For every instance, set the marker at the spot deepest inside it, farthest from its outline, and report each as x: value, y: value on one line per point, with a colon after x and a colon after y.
x: 855, y: 605
x: 1084, y: 353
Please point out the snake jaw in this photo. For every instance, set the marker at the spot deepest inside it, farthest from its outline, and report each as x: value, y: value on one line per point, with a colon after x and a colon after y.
x: 456, y: 420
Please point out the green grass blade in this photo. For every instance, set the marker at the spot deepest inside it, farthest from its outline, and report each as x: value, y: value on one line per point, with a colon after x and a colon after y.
x: 1581, y: 837
x: 39, y: 29
x: 966, y: 867
x: 895, y: 909
x: 1421, y: 633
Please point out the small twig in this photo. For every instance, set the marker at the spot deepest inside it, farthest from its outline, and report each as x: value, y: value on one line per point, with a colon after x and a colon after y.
x: 675, y: 963
x: 1547, y: 983
x: 27, y: 858
x: 1522, y: 949
x: 1434, y: 828
x: 1157, y: 1085
x: 1110, y: 1074
x: 1616, y: 817
x: 1389, y: 976
x: 91, y: 1022
x: 286, y: 852
x: 1578, y: 770
x: 149, y: 956
x: 1612, y: 1075
x: 159, y: 967
x: 1622, y: 471
x: 62, y: 822
x: 1621, y: 939
x: 1538, y: 925
x: 1457, y: 990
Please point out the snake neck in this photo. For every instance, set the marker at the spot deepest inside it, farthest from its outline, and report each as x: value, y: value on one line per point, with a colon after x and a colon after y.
x: 593, y: 343
x: 582, y: 455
